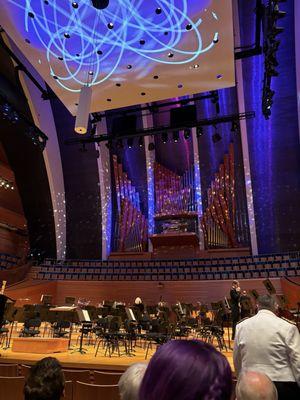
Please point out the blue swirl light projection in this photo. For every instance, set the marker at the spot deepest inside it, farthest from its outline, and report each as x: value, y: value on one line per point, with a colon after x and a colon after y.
x: 89, y: 46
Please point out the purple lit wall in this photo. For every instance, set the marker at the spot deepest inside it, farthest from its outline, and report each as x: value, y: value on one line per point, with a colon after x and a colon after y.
x: 274, y: 144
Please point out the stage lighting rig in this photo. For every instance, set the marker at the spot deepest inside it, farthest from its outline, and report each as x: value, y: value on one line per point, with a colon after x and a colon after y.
x: 100, y: 4
x: 272, y: 14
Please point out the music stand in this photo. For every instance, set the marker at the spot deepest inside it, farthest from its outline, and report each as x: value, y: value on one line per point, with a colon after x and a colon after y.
x: 85, y: 319
x: 46, y: 299
x: 269, y: 286
x: 254, y: 294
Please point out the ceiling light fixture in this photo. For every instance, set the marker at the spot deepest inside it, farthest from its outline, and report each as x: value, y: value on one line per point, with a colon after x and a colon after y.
x: 84, y: 106
x: 100, y: 4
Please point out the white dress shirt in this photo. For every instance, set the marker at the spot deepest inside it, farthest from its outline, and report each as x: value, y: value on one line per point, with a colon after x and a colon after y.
x: 268, y: 344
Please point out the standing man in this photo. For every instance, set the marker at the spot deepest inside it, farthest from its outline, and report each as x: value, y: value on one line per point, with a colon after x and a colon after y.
x: 270, y: 345
x: 235, y: 294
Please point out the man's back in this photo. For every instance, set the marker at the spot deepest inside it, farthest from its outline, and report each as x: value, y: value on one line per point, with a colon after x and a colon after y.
x: 268, y: 344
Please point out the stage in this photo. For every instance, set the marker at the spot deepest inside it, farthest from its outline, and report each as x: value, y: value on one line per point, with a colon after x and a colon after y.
x: 86, y: 361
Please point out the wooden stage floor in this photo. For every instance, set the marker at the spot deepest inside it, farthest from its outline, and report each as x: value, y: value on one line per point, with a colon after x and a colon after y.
x: 76, y: 360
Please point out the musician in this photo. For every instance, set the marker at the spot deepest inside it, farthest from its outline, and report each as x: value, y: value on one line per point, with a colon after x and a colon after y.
x: 138, y: 303
x: 235, y: 294
x: 245, y: 303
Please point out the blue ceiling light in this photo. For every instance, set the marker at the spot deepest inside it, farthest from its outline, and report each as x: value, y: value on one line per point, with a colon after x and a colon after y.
x: 128, y: 32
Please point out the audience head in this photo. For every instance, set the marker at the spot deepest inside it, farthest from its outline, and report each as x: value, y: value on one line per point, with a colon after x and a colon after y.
x: 138, y: 300
x: 266, y: 302
x: 130, y: 382
x: 45, y: 381
x: 255, y: 386
x: 235, y: 284
x: 187, y: 370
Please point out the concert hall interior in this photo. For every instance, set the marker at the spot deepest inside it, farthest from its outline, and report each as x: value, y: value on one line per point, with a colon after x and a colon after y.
x: 149, y: 184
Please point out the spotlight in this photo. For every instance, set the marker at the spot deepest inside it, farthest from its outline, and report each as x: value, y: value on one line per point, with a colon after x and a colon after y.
x: 110, y: 25
x: 188, y: 27
x: 158, y: 10
x: 176, y: 136
x: 74, y: 4
x: 235, y: 127
x: 67, y: 35
x: 151, y: 146
x: 130, y: 143
x: 199, y: 131
x: 100, y: 4
x: 187, y: 134
x: 164, y: 137
x: 216, y: 137
x: 120, y: 144
x: 141, y: 141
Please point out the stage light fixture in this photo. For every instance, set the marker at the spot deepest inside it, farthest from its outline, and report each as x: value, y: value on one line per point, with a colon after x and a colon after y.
x: 164, y: 137
x: 199, y: 131
x: 141, y: 141
x: 94, y: 130
x: 187, y: 134
x: 74, y: 4
x: 235, y: 126
x: 130, y: 143
x: 176, y: 136
x: 100, y: 4
x: 151, y: 146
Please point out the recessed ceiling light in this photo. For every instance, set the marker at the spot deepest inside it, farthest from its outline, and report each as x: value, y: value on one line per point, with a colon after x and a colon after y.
x: 55, y: 77
x: 166, y: 33
x: 76, y: 104
x: 143, y: 94
x: 155, y: 77
x: 30, y: 14
x: 170, y: 55
x: 77, y: 55
x: 108, y: 99
x: 196, y: 66
x: 67, y: 35
x: 100, y: 52
x: 189, y: 27
x: 60, y: 58
x: 118, y: 84
x: 219, y: 76
x: 91, y: 73
x: 74, y: 4
x: 39, y: 61
x: 110, y: 25
x: 180, y: 86
x: 27, y: 40
x: 46, y: 2
x: 129, y: 66
x: 142, y: 41
x: 158, y: 10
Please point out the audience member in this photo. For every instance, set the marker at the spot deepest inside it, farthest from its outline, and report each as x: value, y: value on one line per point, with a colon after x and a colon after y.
x: 271, y: 345
x: 45, y: 381
x: 130, y: 382
x: 255, y: 386
x: 187, y: 370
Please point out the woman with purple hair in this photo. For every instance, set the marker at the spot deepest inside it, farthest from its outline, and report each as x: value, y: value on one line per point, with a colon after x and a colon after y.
x: 187, y: 370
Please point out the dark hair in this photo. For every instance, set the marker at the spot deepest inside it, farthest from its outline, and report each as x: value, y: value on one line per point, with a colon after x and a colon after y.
x: 45, y: 381
x: 187, y: 370
x: 266, y: 302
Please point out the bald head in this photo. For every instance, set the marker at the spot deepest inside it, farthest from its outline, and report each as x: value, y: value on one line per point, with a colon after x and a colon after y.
x: 255, y: 386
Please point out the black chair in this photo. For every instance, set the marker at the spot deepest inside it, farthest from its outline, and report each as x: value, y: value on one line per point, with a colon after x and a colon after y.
x: 61, y: 329
x: 31, y: 327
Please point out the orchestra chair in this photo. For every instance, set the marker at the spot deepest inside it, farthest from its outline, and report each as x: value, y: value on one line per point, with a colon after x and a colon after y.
x: 68, y: 395
x: 11, y: 387
x: 83, y: 391
x: 25, y: 369
x: 3, y: 335
x: 107, y: 378
x: 31, y: 327
x: 77, y: 375
x: 9, y: 370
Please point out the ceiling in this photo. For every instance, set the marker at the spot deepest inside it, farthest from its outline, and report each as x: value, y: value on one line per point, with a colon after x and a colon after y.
x: 154, y: 49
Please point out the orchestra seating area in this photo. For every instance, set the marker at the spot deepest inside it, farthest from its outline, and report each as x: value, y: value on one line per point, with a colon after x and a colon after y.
x: 8, y: 260
x: 247, y: 267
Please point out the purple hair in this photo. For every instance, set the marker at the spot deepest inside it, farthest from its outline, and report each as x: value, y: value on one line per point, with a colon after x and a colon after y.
x: 187, y: 370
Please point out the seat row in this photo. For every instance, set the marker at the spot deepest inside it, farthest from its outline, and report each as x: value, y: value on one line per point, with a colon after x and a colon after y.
x: 80, y: 384
x: 170, y: 275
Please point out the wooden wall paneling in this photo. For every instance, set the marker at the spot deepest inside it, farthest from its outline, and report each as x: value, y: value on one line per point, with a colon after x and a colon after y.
x: 151, y: 292
x: 30, y: 292
x: 291, y: 289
